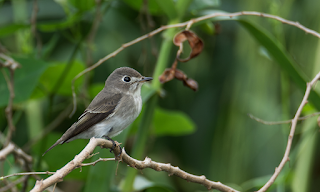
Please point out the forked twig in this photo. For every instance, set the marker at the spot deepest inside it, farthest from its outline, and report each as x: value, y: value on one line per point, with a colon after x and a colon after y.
x: 290, y: 138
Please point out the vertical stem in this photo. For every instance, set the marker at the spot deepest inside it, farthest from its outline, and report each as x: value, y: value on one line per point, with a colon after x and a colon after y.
x: 8, y: 110
x: 163, y: 59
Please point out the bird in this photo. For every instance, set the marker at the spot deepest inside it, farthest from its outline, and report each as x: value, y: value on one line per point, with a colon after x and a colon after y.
x: 114, y: 108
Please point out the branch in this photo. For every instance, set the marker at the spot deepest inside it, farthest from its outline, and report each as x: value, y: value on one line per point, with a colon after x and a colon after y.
x: 281, y: 122
x: 13, y: 148
x: 6, y: 151
x: 12, y: 66
x: 188, y: 25
x: 147, y: 163
x: 93, y: 31
x: 27, y: 173
x: 13, y: 184
x: 292, y: 130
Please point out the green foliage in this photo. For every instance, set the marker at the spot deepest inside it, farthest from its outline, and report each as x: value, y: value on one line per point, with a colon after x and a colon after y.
x: 26, y: 79
x: 173, y: 123
x: 153, y: 6
x: 10, y: 29
x: 283, y: 60
x: 248, y: 65
x: 51, y: 77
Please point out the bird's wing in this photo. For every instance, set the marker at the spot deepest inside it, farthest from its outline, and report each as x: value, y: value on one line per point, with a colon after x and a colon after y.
x: 98, y: 110
x: 101, y: 107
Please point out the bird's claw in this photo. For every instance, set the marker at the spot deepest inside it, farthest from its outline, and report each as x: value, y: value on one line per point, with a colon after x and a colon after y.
x: 114, y: 145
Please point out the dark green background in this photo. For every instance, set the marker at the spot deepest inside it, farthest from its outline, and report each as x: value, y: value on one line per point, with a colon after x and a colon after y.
x: 249, y: 65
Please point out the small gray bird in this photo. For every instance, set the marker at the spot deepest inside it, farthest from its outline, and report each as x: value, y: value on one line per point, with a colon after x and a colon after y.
x: 115, y: 107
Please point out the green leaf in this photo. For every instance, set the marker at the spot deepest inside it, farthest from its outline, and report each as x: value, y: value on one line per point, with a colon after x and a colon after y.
x: 82, y: 5
x: 10, y: 29
x: 59, y: 25
x: 208, y: 28
x: 172, y: 123
x: 277, y: 52
x: 141, y: 183
x: 25, y: 79
x: 51, y: 75
x: 168, y: 7
x: 182, y: 7
x: 197, y: 5
x: 146, y: 92
x: 153, y: 7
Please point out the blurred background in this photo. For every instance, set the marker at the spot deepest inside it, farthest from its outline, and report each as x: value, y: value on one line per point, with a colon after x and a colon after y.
x: 249, y: 65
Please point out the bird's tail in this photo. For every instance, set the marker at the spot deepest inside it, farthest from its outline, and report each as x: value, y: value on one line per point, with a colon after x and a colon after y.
x: 55, y: 144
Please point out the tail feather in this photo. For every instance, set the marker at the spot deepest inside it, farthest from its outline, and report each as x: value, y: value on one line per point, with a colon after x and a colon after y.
x: 55, y: 144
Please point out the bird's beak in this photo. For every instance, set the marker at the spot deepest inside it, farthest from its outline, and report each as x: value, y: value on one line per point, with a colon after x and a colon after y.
x: 144, y: 79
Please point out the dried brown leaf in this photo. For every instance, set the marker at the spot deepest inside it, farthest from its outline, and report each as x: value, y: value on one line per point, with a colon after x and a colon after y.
x: 167, y: 75
x: 192, y: 84
x: 194, y: 41
x: 180, y: 75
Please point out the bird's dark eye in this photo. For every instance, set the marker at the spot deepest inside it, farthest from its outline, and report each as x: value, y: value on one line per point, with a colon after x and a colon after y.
x: 126, y: 79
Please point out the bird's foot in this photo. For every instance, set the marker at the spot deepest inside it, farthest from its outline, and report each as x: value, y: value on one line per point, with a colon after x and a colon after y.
x: 114, y: 145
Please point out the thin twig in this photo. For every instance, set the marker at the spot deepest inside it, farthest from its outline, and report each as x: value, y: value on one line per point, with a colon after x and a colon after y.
x: 34, y: 18
x: 290, y: 138
x: 188, y: 24
x: 27, y: 173
x: 147, y: 163
x: 33, y: 22
x: 13, y: 184
x: 90, y: 46
x: 93, y: 31
x: 98, y: 160
x: 281, y: 122
x: 12, y: 66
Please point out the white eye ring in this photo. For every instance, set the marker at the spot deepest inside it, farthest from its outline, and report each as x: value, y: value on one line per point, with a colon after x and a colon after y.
x: 126, y: 79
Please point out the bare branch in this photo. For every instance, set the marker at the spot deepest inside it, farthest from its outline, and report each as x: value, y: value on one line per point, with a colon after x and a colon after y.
x: 16, y: 151
x: 93, y: 31
x: 13, y: 184
x: 147, y: 163
x: 98, y: 160
x: 12, y: 66
x: 6, y: 151
x: 290, y: 138
x: 281, y: 122
x: 187, y: 24
x: 27, y: 173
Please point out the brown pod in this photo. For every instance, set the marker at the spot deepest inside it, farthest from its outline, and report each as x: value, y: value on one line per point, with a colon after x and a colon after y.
x: 180, y: 75
x: 191, y: 84
x: 167, y: 75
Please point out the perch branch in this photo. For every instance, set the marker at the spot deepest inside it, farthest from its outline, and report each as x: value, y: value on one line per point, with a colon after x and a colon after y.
x: 147, y: 163
x: 187, y: 24
x: 290, y: 138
